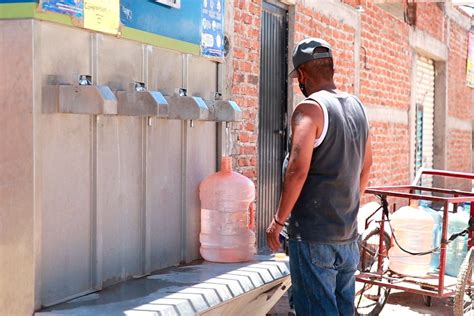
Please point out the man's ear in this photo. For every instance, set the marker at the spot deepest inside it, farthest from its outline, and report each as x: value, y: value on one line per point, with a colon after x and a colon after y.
x: 300, y: 74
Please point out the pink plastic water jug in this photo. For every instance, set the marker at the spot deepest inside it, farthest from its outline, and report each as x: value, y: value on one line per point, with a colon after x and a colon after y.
x: 227, y: 216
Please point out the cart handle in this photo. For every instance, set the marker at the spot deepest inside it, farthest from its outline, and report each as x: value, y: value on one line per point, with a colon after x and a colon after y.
x: 443, y: 173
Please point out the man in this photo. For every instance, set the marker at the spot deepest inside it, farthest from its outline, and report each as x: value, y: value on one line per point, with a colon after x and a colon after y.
x: 328, y: 169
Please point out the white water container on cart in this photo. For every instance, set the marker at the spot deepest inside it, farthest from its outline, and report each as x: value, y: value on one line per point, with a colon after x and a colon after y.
x: 413, y: 229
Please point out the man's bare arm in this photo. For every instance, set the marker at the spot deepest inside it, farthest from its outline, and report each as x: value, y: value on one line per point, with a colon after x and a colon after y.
x: 364, y: 175
x: 306, y: 122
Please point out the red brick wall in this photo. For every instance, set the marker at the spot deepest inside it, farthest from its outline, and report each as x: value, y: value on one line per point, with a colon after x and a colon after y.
x: 459, y: 148
x: 430, y: 19
x: 460, y: 105
x: 385, y: 81
x: 391, y: 153
x: 245, y: 84
x: 341, y: 37
x: 459, y: 156
x: 385, y: 78
x: 460, y: 96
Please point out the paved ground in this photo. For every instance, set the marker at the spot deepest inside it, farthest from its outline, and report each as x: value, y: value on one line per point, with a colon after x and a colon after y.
x: 399, y: 303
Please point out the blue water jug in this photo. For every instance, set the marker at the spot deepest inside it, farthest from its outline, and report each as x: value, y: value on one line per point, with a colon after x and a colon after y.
x: 437, y: 233
x: 457, y: 249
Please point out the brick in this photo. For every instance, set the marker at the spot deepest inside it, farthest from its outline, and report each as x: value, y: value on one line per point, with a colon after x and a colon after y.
x: 248, y: 150
x: 252, y: 79
x: 243, y: 137
x: 242, y: 162
x: 250, y: 127
x: 238, y: 78
x: 250, y: 173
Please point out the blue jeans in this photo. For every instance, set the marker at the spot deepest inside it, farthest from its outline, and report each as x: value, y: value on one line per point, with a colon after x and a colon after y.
x: 322, y: 277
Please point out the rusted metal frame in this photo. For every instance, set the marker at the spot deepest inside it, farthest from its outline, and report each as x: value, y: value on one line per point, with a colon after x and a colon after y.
x: 377, y: 191
x: 435, y: 172
x: 361, y: 278
x: 446, y: 191
x: 470, y: 243
x: 369, y: 217
x: 444, y: 244
x: 412, y: 188
x: 450, y: 174
x: 367, y: 226
x: 381, y: 242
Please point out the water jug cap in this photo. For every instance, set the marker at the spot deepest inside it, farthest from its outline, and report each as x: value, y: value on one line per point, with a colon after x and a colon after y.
x: 467, y: 205
x: 226, y: 164
x: 425, y: 203
x: 414, y: 203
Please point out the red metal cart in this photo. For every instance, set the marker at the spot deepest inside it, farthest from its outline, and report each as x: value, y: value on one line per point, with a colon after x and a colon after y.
x: 375, y: 276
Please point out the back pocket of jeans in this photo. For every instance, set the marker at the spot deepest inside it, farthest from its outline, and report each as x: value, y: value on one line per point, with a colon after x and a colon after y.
x: 322, y: 255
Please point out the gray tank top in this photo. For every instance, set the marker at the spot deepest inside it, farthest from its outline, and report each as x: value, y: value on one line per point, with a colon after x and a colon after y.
x: 326, y: 210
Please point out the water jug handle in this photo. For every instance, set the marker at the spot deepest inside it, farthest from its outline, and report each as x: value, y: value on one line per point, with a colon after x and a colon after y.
x: 252, y: 216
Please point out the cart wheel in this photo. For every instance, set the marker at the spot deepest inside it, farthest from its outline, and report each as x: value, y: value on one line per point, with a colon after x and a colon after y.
x: 370, y: 300
x: 369, y: 247
x: 463, y: 304
x: 428, y: 300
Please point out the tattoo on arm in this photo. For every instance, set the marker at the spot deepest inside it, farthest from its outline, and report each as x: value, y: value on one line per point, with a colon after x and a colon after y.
x: 297, y: 117
x: 296, y: 120
x: 296, y: 151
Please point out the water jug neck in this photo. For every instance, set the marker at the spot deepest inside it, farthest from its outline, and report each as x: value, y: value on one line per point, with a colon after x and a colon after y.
x: 414, y: 203
x: 226, y: 164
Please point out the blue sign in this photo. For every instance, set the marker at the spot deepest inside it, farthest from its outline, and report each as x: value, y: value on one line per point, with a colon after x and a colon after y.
x: 198, y: 22
x: 212, y: 28
x: 70, y: 7
x: 181, y: 24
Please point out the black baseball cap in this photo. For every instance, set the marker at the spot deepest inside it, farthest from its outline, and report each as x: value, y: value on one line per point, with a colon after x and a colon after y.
x: 306, y: 51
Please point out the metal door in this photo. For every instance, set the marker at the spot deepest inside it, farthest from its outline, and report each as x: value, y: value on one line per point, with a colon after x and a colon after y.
x: 272, y: 113
x: 425, y: 74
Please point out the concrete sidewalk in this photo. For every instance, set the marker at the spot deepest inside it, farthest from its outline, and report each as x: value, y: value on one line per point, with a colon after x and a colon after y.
x: 399, y: 303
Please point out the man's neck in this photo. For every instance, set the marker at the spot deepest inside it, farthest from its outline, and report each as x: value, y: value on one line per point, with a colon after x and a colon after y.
x: 330, y: 86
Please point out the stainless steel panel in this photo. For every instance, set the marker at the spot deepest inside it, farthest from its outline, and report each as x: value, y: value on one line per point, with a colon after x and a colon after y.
x: 66, y: 208
x: 144, y: 103
x: 224, y: 111
x: 164, y: 189
x: 17, y: 249
x: 200, y: 163
x: 119, y: 196
x: 187, y: 108
x: 202, y: 77
x: 165, y: 70
x: 65, y: 168
x: 120, y: 62
x: 273, y: 105
x: 120, y: 174
x: 78, y: 99
x: 66, y: 53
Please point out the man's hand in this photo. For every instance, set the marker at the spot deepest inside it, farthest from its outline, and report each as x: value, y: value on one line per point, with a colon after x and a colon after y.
x: 273, y: 236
